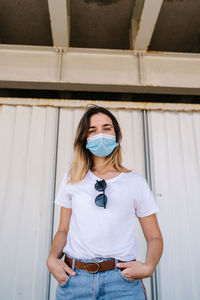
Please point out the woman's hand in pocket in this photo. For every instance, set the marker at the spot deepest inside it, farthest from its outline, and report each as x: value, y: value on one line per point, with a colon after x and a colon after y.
x: 59, y: 269
x: 135, y: 270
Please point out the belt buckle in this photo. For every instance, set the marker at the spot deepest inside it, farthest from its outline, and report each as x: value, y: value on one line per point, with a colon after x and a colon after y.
x: 85, y: 267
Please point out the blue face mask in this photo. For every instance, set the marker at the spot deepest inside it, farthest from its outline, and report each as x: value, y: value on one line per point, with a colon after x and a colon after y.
x: 101, y: 144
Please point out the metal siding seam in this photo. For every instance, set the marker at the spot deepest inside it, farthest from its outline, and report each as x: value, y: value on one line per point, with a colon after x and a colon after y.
x: 154, y: 282
x: 54, y: 190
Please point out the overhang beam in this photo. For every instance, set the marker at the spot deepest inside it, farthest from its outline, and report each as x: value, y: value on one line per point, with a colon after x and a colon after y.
x: 60, y: 22
x: 99, y: 70
x: 143, y: 22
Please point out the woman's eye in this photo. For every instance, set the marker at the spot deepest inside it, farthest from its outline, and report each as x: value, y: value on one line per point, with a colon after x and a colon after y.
x: 94, y: 130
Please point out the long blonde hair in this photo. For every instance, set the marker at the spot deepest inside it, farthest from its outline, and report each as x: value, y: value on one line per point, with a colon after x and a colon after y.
x: 83, y: 158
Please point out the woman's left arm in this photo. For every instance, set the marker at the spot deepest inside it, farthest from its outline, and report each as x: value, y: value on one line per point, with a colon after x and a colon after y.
x: 153, y: 236
x: 154, y: 240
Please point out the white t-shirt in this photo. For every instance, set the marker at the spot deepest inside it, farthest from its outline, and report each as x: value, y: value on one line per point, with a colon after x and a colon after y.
x: 105, y: 232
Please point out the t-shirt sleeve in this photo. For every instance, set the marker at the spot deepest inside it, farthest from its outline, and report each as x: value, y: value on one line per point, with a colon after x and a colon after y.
x: 145, y: 202
x: 63, y: 196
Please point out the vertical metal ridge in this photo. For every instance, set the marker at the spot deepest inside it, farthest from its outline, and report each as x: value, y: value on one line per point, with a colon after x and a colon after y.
x: 146, y: 147
x: 148, y: 175
x: 53, y: 196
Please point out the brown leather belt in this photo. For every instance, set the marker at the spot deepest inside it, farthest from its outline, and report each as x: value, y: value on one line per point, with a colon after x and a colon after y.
x: 93, y: 266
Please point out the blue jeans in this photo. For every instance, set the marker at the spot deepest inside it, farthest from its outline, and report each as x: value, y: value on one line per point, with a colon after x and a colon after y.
x: 106, y: 285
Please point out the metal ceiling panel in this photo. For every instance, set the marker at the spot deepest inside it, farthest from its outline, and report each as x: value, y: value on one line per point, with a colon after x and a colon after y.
x: 177, y: 28
x: 100, y: 23
x: 25, y: 23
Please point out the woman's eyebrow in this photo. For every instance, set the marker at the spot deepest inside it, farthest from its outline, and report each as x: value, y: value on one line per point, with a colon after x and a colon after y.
x: 103, y: 126
x: 107, y: 125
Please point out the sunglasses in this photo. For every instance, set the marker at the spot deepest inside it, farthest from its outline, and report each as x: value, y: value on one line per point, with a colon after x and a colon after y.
x: 101, y: 199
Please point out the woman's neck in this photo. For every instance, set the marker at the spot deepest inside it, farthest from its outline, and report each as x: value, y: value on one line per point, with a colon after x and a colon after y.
x: 98, y: 165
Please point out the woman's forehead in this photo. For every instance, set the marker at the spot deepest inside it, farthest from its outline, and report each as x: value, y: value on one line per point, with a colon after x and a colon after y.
x: 99, y: 119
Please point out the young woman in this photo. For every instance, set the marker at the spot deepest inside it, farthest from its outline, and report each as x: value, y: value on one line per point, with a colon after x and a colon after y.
x: 100, y: 201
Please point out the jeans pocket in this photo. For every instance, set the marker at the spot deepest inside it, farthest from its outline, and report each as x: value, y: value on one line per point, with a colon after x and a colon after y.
x: 66, y: 282
x: 124, y: 277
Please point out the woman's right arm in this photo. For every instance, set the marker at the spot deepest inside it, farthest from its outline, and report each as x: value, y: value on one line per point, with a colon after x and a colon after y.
x: 56, y: 266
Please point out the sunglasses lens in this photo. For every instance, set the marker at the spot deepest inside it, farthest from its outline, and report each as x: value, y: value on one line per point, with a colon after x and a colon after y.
x: 101, y: 200
x: 100, y: 185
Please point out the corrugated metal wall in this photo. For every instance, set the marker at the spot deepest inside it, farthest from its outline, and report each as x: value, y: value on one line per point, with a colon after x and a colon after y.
x: 27, y: 159
x: 36, y: 149
x: 175, y: 157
